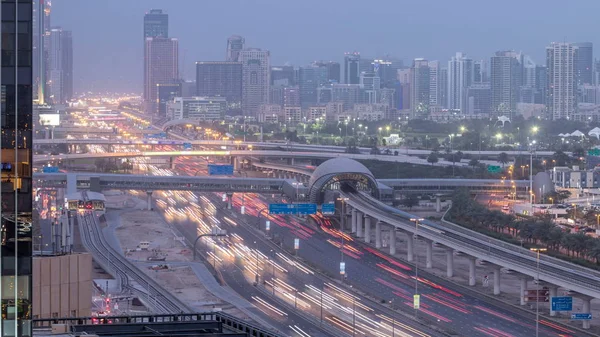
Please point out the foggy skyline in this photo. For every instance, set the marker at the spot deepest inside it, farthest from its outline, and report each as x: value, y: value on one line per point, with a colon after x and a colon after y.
x: 108, y: 43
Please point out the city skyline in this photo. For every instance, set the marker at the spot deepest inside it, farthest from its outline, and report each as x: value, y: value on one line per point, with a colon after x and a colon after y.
x: 438, y: 38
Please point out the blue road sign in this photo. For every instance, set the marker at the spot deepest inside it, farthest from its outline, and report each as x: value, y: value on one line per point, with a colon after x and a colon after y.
x: 305, y: 209
x: 50, y: 169
x: 580, y: 316
x: 220, y: 170
x: 187, y: 146
x: 328, y: 209
x: 282, y: 208
x: 562, y: 303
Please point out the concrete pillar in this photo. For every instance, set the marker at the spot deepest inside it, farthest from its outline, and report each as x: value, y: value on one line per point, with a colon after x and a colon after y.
x: 553, y: 291
x: 438, y: 204
x: 429, y: 254
x: 354, y: 220
x: 378, y: 234
x: 229, y: 200
x: 449, y: 262
x: 410, y: 247
x: 497, y: 280
x: 586, y: 309
x: 393, y: 241
x: 367, y: 229
x: 359, y: 225
x: 172, y: 163
x: 149, y: 200
x: 523, y: 282
x: 290, y: 161
x: 472, y: 279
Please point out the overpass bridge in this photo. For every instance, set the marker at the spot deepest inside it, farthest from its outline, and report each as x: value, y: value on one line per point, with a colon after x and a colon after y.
x: 88, y: 130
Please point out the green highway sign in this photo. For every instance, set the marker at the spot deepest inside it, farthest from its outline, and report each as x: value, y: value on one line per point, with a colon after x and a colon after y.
x: 494, y: 169
x: 594, y: 152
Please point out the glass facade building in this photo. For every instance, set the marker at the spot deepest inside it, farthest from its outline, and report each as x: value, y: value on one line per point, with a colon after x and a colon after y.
x: 15, y: 158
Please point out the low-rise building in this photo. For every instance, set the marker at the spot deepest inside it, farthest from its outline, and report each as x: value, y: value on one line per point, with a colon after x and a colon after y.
x: 202, y: 108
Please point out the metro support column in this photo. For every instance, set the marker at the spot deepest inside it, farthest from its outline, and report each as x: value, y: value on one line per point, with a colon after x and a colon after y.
x: 429, y: 254
x: 359, y: 225
x: 393, y: 241
x: 449, y: 262
x: 149, y: 200
x: 472, y: 280
x: 497, y: 280
x: 378, y: 234
x: 410, y: 247
x: 367, y: 229
x: 354, y: 220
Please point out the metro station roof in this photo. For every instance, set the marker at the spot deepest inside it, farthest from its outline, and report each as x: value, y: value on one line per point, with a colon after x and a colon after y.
x: 339, y: 165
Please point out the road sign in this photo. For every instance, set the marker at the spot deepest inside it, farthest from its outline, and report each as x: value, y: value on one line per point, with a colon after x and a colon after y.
x: 416, y: 301
x: 268, y: 225
x: 594, y: 152
x: 328, y: 209
x: 282, y: 208
x: 342, y: 268
x: 306, y: 209
x: 187, y: 146
x: 50, y: 169
x: 220, y: 170
x: 494, y: 169
x: 562, y: 303
x: 580, y: 316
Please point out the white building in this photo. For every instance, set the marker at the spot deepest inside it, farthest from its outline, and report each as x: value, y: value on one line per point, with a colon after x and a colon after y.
x: 460, y: 77
x: 292, y: 114
x: 562, y: 87
x: 202, y: 108
x: 371, y: 112
x: 256, y: 79
x: 434, y: 83
x: 316, y: 112
x: 270, y: 113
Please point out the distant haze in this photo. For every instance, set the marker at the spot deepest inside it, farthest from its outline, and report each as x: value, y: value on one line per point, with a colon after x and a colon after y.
x: 108, y: 42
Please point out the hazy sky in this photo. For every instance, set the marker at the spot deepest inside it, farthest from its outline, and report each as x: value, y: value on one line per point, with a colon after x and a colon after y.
x: 108, y: 39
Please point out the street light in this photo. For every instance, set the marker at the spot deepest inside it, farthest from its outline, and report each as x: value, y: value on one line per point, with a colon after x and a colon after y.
x: 415, y: 237
x: 537, y: 302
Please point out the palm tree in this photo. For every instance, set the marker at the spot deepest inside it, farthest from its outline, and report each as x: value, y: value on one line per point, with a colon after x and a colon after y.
x: 433, y: 158
x: 503, y: 158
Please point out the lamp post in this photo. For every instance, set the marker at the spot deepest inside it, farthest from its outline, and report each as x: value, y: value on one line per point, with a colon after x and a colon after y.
x: 393, y: 318
x: 415, y: 237
x: 537, y: 302
x: 342, y: 224
x: 215, y: 233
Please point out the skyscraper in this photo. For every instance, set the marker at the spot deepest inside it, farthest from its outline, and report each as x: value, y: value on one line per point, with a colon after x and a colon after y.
x: 434, y: 83
x: 161, y: 67
x: 370, y: 84
x: 235, y: 44
x: 283, y: 75
x: 419, y: 88
x: 309, y: 79
x: 156, y: 24
x: 60, y: 66
x: 480, y: 72
x: 256, y: 79
x: 561, y: 100
x: 505, y: 81
x: 584, y: 72
x: 40, y: 49
x: 352, y: 68
x: 443, y: 87
x: 333, y: 70
x: 387, y: 70
x: 460, y: 77
x: 16, y: 146
x: 220, y: 79
x: 541, y: 84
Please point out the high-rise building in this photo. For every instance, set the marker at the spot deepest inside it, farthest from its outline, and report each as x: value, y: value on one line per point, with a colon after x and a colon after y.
x: 16, y: 146
x: 419, y: 88
x: 349, y: 94
x: 283, y: 75
x: 309, y: 79
x: 370, y: 83
x: 333, y: 70
x: 387, y: 70
x: 479, y: 99
x: 480, y: 72
x: 443, y: 87
x: 235, y: 44
x: 202, y: 108
x: 561, y: 93
x: 460, y: 77
x: 584, y: 63
x: 291, y: 96
x: 541, y: 84
x: 166, y: 93
x: 256, y: 79
x: 434, y: 83
x: 40, y: 49
x: 505, y: 80
x: 156, y: 24
x: 222, y: 79
x: 161, y: 67
x: 365, y: 64
x: 352, y: 68
x: 60, y: 66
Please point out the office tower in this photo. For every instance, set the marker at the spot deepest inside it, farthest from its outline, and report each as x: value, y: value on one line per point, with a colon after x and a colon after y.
x: 352, y: 68
x: 365, y: 64
x: 562, y: 85
x: 309, y: 79
x: 324, y: 94
x: 480, y: 72
x: 596, y: 78
x: 541, y: 84
x: 166, y: 93
x: 276, y: 95
x: 370, y: 83
x: 156, y: 24
x: 388, y: 96
x: 387, y: 70
x: 584, y: 63
x: 235, y: 44
x: 40, y: 49
x: 419, y: 89
x: 291, y: 96
x: 16, y: 147
x: 460, y: 77
x: 404, y: 75
x: 333, y: 70
x: 505, y: 80
x: 60, y: 66
x: 256, y: 79
x: 222, y: 79
x: 161, y: 67
x: 283, y: 75
x: 434, y: 83
x: 443, y: 87
x: 188, y: 88
x: 348, y: 94
x: 479, y: 99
